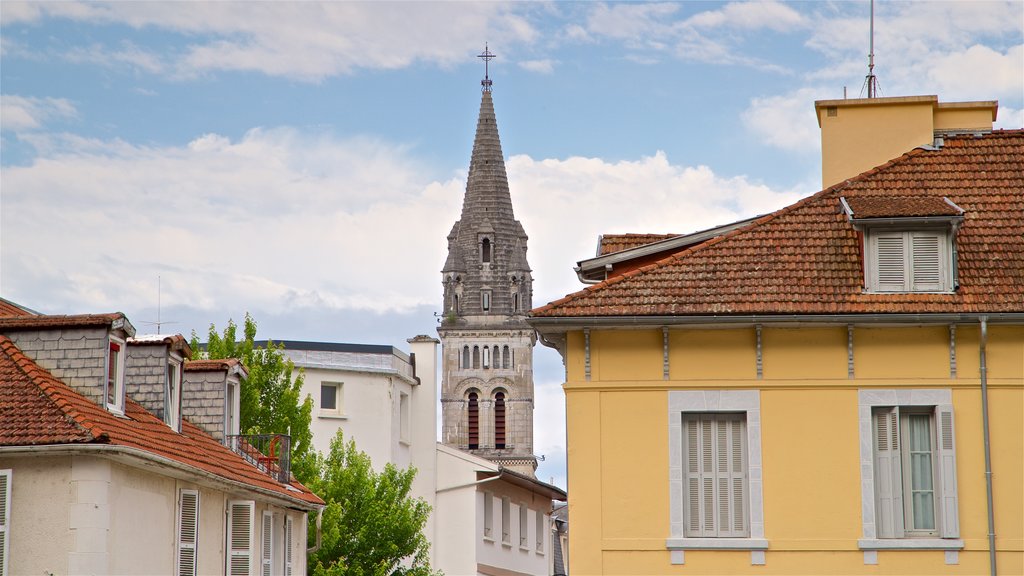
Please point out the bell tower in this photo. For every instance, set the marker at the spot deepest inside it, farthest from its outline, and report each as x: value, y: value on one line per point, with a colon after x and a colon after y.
x: 486, y: 344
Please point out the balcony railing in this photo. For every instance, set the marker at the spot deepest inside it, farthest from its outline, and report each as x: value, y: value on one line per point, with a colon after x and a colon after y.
x: 271, y: 453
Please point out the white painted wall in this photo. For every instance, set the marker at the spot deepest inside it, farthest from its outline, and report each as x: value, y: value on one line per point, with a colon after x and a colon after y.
x: 41, y: 496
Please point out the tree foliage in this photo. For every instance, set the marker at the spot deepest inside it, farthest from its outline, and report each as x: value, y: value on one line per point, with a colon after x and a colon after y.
x: 271, y: 397
x: 371, y: 526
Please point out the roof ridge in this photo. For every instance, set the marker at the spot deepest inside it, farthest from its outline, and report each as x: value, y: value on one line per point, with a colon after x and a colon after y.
x: 52, y: 388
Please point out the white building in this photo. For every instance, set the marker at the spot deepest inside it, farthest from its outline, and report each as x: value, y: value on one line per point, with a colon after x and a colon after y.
x: 94, y: 482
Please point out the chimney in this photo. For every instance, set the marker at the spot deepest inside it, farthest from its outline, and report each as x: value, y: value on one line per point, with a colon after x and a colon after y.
x: 210, y: 396
x: 860, y: 133
x: 153, y: 374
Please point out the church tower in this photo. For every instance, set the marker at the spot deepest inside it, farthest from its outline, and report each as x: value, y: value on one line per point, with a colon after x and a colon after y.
x: 486, y: 344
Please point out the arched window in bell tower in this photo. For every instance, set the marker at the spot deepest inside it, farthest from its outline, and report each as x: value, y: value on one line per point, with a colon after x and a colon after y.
x: 506, y: 358
x: 474, y: 421
x: 465, y: 357
x: 485, y: 250
x: 476, y: 356
x: 499, y: 420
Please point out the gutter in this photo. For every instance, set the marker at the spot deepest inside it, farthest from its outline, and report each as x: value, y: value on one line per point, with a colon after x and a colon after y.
x: 149, y: 457
x: 988, y: 447
x: 563, y: 323
x: 468, y: 484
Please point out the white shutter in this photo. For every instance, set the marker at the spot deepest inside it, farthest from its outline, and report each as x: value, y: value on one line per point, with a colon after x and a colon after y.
x: 888, y: 476
x: 926, y: 257
x: 890, y: 262
x: 949, y: 516
x: 716, y: 476
x: 5, y: 519
x: 240, y: 528
x: 288, y: 546
x: 188, y: 531
x: 268, y: 544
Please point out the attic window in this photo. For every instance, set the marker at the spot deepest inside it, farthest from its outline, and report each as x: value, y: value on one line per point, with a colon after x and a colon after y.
x: 909, y: 243
x: 114, y: 393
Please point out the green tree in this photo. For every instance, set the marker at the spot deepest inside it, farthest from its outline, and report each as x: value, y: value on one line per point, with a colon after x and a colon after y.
x: 371, y: 523
x: 271, y: 397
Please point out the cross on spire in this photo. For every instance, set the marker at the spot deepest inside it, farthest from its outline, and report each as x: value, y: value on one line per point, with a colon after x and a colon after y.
x: 487, y: 56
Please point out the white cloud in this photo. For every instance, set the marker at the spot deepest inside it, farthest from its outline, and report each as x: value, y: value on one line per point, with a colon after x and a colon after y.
x: 786, y: 121
x: 546, y: 66
x: 751, y: 16
x: 960, y: 74
x: 307, y: 41
x: 128, y: 55
x: 18, y: 113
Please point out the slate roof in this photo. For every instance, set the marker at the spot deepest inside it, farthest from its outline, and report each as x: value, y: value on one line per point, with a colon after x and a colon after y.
x: 805, y: 258
x: 37, y: 409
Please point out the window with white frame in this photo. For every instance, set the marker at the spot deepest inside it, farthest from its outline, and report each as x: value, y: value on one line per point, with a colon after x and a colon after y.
x: 488, y: 515
x: 267, y: 548
x: 188, y: 532
x: 231, y: 409
x: 909, y: 261
x: 115, y: 375
x: 908, y: 479
x: 5, y: 519
x: 506, y: 520
x: 542, y: 531
x: 404, y: 417
x: 241, y: 516
x: 715, y: 470
x: 172, y: 393
x: 524, y: 524
x: 332, y: 398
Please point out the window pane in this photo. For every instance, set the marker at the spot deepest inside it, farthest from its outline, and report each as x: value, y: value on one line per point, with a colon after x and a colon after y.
x: 921, y: 482
x: 328, y: 397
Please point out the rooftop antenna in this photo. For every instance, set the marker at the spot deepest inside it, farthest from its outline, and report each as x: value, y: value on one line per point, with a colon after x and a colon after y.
x: 158, y: 323
x: 871, y: 81
x: 487, y: 56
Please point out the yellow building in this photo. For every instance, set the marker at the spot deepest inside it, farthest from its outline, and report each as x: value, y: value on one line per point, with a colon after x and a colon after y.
x: 812, y: 392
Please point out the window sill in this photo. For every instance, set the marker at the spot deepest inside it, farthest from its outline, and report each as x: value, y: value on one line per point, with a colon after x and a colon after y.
x: 332, y: 416
x: 506, y: 544
x: 716, y: 544
x: 405, y: 442
x: 910, y: 544
x: 488, y: 539
x: 523, y: 548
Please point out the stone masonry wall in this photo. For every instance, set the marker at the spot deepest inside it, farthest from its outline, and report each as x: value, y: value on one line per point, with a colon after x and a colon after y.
x: 76, y: 356
x: 203, y: 400
x: 145, y: 373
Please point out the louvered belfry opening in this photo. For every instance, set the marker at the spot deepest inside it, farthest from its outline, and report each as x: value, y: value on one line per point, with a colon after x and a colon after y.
x: 499, y: 420
x: 474, y: 421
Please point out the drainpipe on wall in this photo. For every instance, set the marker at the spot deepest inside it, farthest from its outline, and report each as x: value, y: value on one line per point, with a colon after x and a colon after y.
x: 988, y: 448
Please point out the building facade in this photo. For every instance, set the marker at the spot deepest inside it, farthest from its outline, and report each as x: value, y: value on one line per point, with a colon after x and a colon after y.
x: 486, y: 344
x: 825, y: 389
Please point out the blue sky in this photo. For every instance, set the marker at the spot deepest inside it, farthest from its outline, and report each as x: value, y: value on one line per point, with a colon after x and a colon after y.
x: 305, y: 161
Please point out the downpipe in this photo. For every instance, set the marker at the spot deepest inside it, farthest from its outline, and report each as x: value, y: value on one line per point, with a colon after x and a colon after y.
x: 988, y: 447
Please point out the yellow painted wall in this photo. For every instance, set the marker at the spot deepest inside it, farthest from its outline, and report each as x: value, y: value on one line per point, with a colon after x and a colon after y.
x: 863, y: 133
x: 617, y: 427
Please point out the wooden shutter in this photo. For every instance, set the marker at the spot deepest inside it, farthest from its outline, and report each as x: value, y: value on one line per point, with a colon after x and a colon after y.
x: 188, y: 531
x: 890, y: 262
x: 716, y: 502
x: 948, y: 508
x: 499, y: 421
x: 288, y: 546
x: 5, y: 519
x: 927, y: 270
x: 240, y: 533
x: 267, y: 557
x: 888, y: 473
x: 474, y: 422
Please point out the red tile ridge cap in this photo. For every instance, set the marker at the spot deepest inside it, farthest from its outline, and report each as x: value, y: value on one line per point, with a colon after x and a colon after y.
x: 833, y: 189
x: 53, y: 389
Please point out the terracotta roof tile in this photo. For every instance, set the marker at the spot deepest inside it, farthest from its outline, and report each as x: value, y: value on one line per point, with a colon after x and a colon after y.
x: 38, y: 409
x: 611, y: 243
x: 30, y: 322
x: 903, y: 206
x: 805, y: 258
x: 8, y: 308
x: 204, y: 365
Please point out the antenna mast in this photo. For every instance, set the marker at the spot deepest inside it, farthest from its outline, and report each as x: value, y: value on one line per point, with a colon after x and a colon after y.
x: 871, y: 80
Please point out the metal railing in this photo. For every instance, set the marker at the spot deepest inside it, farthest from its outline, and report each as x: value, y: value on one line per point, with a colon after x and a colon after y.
x: 271, y: 453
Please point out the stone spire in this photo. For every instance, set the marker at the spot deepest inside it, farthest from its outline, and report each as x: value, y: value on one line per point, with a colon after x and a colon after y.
x: 487, y: 346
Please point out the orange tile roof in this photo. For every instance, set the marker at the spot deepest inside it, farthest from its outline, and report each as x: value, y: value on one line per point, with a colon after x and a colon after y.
x: 8, y: 308
x: 805, y: 258
x: 611, y: 243
x: 28, y: 322
x: 37, y: 409
x: 900, y: 207
x: 203, y: 365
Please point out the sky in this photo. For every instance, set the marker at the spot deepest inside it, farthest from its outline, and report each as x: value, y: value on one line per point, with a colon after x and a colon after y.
x: 189, y: 162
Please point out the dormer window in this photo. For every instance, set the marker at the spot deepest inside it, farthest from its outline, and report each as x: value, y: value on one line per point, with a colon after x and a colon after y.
x: 908, y: 243
x: 115, y: 376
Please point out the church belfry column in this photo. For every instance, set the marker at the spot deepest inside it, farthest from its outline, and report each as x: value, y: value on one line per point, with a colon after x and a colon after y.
x: 487, y: 346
